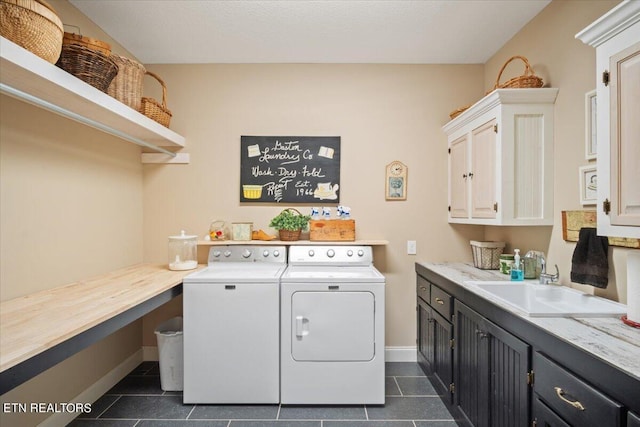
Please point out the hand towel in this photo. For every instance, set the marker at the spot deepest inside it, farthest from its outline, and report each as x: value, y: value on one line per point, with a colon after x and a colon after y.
x: 589, y: 264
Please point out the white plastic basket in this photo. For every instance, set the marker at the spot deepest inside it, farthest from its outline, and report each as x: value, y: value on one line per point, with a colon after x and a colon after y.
x: 486, y: 255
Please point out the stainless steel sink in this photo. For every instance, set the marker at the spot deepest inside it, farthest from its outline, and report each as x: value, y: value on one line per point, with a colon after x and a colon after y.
x: 550, y: 300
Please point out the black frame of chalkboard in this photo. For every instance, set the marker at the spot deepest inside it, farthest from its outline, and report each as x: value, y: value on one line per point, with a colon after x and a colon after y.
x: 290, y: 169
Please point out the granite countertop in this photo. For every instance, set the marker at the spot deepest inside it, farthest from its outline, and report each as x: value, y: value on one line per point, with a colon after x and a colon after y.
x: 604, y: 337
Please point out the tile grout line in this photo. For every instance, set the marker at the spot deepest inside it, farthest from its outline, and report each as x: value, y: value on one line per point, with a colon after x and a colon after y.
x: 193, y: 408
x: 398, y: 385
x: 108, y: 407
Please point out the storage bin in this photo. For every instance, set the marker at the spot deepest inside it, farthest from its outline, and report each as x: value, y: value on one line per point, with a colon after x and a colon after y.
x: 171, y: 354
x: 486, y: 255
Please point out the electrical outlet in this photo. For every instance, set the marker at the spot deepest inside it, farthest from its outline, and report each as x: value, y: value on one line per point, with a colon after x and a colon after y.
x: 411, y: 247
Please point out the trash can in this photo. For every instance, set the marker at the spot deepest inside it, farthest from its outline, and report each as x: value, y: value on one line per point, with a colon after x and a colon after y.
x: 170, y: 352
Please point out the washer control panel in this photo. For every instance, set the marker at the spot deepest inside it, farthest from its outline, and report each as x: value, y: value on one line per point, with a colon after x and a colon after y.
x: 248, y: 253
x: 330, y: 255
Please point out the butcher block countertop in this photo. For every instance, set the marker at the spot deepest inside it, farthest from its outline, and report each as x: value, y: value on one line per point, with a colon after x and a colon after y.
x: 35, y: 323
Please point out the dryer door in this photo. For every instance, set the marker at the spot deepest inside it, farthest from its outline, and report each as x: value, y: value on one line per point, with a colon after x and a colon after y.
x: 332, y: 326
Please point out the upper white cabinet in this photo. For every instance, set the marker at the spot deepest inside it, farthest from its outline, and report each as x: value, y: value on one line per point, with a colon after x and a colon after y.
x: 31, y: 79
x: 616, y: 37
x: 501, y: 159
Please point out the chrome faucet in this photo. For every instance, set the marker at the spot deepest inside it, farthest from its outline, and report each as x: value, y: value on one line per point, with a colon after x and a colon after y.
x: 546, y: 278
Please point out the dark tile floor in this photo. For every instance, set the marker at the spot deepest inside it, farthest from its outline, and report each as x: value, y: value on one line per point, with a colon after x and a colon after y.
x: 138, y: 400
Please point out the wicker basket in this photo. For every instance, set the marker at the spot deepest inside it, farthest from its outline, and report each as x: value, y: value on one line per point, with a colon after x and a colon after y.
x: 289, y: 235
x: 527, y: 80
x: 126, y: 87
x: 153, y: 109
x: 33, y: 25
x: 88, y: 42
x: 88, y: 65
x: 456, y: 113
x: 486, y: 255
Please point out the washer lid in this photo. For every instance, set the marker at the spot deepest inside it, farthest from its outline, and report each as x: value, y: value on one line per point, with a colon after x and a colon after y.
x: 238, y: 272
x: 334, y: 274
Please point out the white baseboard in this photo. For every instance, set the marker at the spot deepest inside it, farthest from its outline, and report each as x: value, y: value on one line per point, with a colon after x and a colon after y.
x: 391, y: 354
x: 400, y: 354
x: 96, y: 390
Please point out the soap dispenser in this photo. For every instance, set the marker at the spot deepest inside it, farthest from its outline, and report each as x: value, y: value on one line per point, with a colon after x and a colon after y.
x: 517, y: 274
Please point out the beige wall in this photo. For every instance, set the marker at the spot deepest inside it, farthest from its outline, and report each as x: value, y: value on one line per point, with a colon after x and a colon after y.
x: 381, y: 112
x: 548, y: 41
x: 70, y: 208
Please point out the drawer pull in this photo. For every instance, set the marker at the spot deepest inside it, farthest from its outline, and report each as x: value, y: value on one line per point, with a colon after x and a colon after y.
x: 440, y: 301
x: 575, y: 404
x: 422, y: 288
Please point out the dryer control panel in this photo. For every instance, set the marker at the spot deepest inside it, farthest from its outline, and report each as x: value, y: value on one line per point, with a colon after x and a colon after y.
x: 331, y: 255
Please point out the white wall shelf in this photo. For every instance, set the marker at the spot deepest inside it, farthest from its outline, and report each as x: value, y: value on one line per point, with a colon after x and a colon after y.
x: 292, y: 243
x: 31, y: 79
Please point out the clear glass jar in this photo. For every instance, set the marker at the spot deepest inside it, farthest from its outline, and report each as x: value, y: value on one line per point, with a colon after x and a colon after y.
x: 183, y: 252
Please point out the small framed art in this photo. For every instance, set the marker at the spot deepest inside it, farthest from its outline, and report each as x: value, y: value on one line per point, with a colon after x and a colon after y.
x: 588, y: 185
x: 396, y: 181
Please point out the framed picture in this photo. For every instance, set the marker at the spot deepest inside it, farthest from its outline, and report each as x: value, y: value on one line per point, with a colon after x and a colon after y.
x: 588, y: 185
x: 591, y: 139
x: 396, y: 181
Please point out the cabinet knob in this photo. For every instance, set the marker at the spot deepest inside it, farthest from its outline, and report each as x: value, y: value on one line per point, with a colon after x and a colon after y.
x: 481, y: 334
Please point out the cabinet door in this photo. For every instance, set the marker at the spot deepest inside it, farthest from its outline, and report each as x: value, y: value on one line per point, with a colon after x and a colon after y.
x: 425, y: 336
x: 458, y: 177
x: 490, y: 372
x: 625, y: 133
x: 443, y: 353
x: 471, y: 366
x: 483, y: 171
x: 509, y: 363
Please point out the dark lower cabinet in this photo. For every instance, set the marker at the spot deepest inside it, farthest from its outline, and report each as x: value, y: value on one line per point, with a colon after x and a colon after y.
x: 425, y: 336
x: 434, y: 343
x: 491, y: 372
x: 443, y: 354
x: 514, y: 374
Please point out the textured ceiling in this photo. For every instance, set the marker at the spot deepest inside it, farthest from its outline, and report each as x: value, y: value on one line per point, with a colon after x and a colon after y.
x: 302, y: 31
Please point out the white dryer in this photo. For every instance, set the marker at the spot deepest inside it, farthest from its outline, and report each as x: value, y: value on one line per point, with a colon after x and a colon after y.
x: 231, y: 326
x: 332, y: 327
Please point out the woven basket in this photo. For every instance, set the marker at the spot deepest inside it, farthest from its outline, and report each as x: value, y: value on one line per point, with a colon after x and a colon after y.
x: 126, y: 87
x: 88, y: 42
x: 153, y: 109
x: 456, y: 113
x: 289, y: 236
x: 33, y: 25
x: 527, y: 80
x: 88, y: 65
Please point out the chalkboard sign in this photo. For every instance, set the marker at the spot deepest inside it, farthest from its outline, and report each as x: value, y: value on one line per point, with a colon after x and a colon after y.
x: 290, y: 169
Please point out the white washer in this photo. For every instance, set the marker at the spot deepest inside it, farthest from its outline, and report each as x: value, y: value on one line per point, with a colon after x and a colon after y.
x: 332, y: 328
x: 231, y: 326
